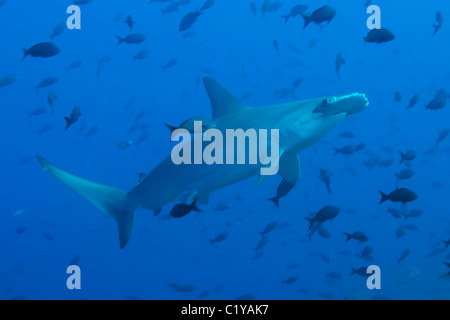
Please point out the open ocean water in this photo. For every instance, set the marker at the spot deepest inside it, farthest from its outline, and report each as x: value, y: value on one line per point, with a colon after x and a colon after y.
x: 127, y: 91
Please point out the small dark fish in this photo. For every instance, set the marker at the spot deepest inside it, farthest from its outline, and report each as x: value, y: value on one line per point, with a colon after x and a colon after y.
x: 246, y: 297
x: 290, y: 280
x: 93, y: 130
x: 171, y: 7
x: 51, y: 98
x: 253, y: 8
x: 58, y: 30
x: 439, y: 22
x: 129, y: 22
x: 283, y: 190
x: 325, y: 176
x: 135, y: 38
x: 37, y: 112
x: 204, y: 294
x: 189, y: 124
x: 407, y: 156
x: 76, y: 113
x: 386, y: 163
x: 360, y: 271
x: 404, y: 255
x: 439, y: 101
x: 405, y: 174
x: 397, y: 96
x: 347, y: 135
x: 339, y: 63
x: 447, y: 243
x: 323, y: 14
x: 262, y: 243
x: 346, y: 150
x: 141, y: 55
x: 42, y: 50
x: 295, y: 11
x: 324, y: 214
x: 20, y: 230
x: 75, y: 260
x: 188, y: 20
x: 442, y: 136
x: 75, y: 64
x: 79, y: 2
x: 207, y: 4
x: 334, y: 275
x: 415, y: 98
x: 276, y: 46
x: 359, y: 236
x: 182, y: 288
x: 182, y: 209
x: 222, y: 206
x: 269, y: 228
x: 46, y: 128
x: 379, y: 36
x: 402, y: 195
x: 221, y: 237
x: 296, y: 83
x: 400, y: 233
x: 48, y: 236
x: 170, y: 63
x: 413, y: 214
x: 46, y: 82
x: 8, y: 79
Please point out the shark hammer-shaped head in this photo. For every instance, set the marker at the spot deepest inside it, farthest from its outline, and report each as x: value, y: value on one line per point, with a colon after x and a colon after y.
x: 349, y: 104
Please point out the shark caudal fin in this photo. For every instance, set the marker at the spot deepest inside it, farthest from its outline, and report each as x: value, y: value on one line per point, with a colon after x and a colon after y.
x: 108, y: 199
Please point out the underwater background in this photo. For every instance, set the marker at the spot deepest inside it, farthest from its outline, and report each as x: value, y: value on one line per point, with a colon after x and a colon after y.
x: 125, y: 102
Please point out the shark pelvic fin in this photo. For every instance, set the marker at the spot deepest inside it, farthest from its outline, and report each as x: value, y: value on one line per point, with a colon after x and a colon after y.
x: 108, y: 199
x: 223, y: 102
x: 289, y: 168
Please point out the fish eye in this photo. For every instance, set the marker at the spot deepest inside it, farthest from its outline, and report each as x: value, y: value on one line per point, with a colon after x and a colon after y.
x: 325, y: 102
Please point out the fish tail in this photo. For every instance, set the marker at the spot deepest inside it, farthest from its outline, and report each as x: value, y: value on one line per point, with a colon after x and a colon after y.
x: 384, y: 197
x: 403, y: 159
x: 194, y: 206
x: 171, y: 128
x: 311, y: 222
x: 447, y: 243
x: 349, y: 236
x: 286, y: 18
x: 108, y: 199
x: 353, y: 271
x: 68, y: 122
x: 306, y: 18
x: 436, y: 28
x: 275, y: 200
x: 119, y: 40
x: 336, y: 151
x: 25, y: 54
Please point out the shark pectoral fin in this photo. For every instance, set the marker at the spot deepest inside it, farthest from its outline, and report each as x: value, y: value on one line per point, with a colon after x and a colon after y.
x: 289, y: 168
x: 108, y: 199
x: 203, y: 198
x: 223, y: 102
x: 261, y: 179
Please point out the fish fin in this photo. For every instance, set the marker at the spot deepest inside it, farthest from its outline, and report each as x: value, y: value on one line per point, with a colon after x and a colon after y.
x: 119, y: 40
x: 289, y: 167
x: 403, y: 159
x: 194, y: 206
x: 223, y: 102
x: 311, y: 222
x: 203, y: 198
x: 261, y: 179
x: 108, y: 199
x: 349, y: 236
x: 384, y: 197
x: 68, y: 122
x: 25, y: 54
x: 275, y: 200
x: 306, y: 18
x: 171, y: 128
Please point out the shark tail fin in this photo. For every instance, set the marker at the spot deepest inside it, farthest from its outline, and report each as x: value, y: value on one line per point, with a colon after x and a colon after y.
x: 108, y: 199
x: 311, y: 222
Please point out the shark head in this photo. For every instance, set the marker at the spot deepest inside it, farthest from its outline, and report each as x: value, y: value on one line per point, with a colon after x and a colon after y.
x: 348, y: 104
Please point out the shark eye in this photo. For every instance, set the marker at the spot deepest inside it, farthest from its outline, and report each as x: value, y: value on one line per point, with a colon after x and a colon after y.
x: 325, y: 102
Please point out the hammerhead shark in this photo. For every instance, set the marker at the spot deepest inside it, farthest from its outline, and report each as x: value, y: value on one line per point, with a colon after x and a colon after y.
x: 300, y: 125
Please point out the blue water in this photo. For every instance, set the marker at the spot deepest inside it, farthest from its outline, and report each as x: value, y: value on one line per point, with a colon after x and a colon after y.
x: 44, y: 226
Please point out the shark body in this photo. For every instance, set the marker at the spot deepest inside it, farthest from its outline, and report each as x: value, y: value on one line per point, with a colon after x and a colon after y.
x: 300, y: 124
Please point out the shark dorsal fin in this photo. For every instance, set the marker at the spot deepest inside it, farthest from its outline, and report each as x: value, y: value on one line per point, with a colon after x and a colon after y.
x: 223, y: 102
